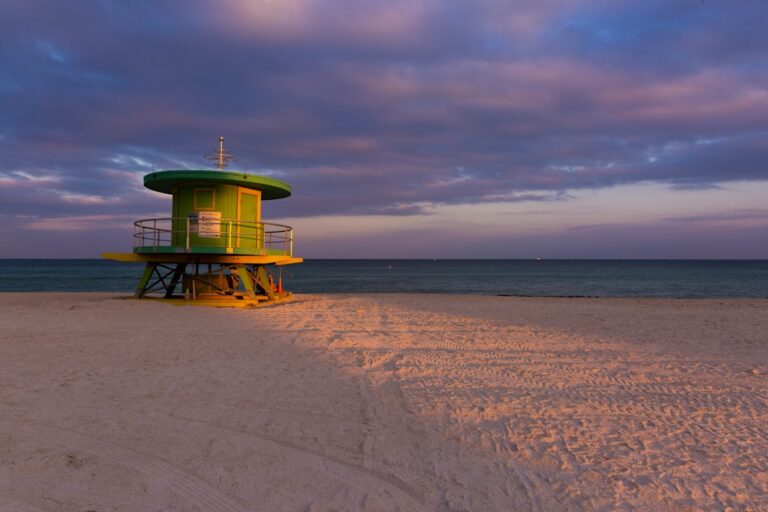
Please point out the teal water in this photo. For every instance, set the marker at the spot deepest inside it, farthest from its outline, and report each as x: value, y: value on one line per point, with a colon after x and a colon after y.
x: 547, y: 278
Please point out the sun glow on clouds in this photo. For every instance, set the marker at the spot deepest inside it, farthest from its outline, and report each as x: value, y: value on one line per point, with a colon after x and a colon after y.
x: 356, y: 21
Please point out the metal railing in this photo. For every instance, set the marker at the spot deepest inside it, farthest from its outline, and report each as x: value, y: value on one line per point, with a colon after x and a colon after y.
x: 196, y: 234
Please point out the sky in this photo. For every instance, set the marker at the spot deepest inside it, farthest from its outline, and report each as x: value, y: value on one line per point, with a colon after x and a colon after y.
x: 407, y: 129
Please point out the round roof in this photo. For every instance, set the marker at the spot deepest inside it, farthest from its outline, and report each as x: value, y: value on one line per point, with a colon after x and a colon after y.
x: 165, y: 181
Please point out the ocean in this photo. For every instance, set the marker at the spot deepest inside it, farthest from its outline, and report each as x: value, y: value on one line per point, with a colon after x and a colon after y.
x: 536, y: 278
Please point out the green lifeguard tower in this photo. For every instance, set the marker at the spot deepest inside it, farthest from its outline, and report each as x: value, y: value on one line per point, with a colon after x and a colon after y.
x: 214, y: 249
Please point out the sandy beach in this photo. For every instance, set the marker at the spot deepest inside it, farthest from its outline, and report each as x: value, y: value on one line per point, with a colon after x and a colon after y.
x: 383, y: 403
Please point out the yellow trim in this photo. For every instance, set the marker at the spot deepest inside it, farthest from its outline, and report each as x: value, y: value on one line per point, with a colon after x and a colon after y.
x: 131, y: 257
x: 289, y: 261
x: 260, y: 301
x: 213, y: 198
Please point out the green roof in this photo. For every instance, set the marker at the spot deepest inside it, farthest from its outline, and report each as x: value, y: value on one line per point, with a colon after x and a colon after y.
x: 166, y: 181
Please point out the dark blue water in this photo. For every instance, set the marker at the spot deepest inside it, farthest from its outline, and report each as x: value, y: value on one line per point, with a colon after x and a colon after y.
x: 594, y: 278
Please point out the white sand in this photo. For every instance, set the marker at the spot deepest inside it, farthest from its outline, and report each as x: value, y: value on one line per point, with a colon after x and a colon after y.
x: 383, y: 402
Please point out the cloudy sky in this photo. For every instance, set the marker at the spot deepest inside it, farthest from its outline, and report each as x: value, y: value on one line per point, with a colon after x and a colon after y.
x: 407, y: 128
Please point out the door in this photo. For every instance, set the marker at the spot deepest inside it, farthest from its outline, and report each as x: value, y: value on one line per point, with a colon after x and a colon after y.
x: 250, y: 236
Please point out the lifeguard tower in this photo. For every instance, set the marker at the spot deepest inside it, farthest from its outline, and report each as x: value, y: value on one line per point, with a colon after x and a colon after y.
x: 213, y: 249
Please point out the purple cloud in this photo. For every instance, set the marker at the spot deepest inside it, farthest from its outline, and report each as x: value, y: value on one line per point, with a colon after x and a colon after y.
x: 378, y: 107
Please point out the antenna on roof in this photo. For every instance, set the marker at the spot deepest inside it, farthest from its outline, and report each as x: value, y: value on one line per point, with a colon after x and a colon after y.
x: 221, y: 156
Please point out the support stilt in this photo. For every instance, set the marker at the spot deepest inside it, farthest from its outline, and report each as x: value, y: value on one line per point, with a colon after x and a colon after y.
x: 178, y: 273
x: 262, y: 281
x: 148, y: 271
x: 222, y: 284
